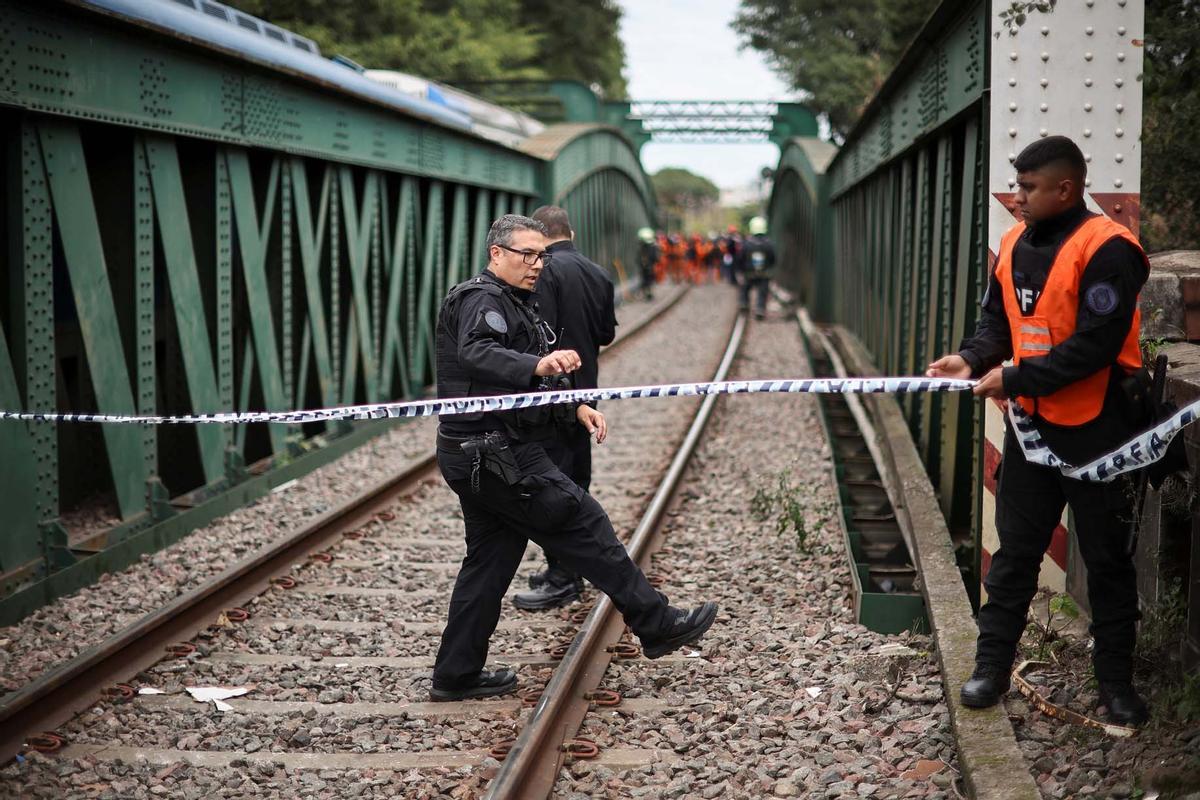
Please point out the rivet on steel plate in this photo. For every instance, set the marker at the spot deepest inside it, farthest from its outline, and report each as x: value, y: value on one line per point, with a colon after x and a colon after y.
x: 1087, y: 81
x: 1012, y: 56
x: 46, y: 742
x: 1043, y: 133
x: 1087, y: 157
x: 1120, y: 107
x: 1089, y: 30
x: 1012, y: 106
x: 501, y: 750
x: 1045, y: 82
x: 1045, y: 107
x: 1117, y: 182
x: 1119, y: 132
x: 1087, y: 133
x: 1116, y: 208
x: 1012, y: 81
x: 180, y: 649
x: 1045, y: 56
x: 1012, y: 157
x: 603, y: 697
x: 1012, y: 132
x: 1120, y: 56
x: 1087, y: 106
x: 581, y: 748
x: 1087, y: 181
x: 624, y: 650
x: 1087, y: 56
x: 1119, y: 82
x: 1045, y: 31
x: 1119, y: 157
x: 1120, y: 30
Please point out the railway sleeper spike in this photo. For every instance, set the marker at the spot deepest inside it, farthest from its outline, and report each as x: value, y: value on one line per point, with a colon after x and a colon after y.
x: 46, y: 742
x: 580, y: 616
x: 180, y: 649
x: 385, y: 516
x: 322, y: 557
x: 500, y: 750
x: 530, y: 697
x: 237, y: 614
x: 624, y: 650
x: 284, y: 582
x: 354, y: 534
x: 581, y: 748
x: 603, y: 697
x: 559, y: 651
x: 119, y: 692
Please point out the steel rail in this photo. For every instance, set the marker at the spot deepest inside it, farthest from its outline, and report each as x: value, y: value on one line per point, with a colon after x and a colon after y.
x: 59, y: 695
x: 535, y: 759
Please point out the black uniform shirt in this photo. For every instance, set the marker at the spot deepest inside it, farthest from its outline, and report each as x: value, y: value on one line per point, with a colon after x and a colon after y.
x: 492, y: 339
x: 575, y: 298
x: 756, y: 257
x: 1108, y: 291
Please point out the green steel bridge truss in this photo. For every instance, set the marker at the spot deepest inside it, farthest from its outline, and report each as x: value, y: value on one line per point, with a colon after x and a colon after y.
x: 887, y: 238
x: 190, y: 231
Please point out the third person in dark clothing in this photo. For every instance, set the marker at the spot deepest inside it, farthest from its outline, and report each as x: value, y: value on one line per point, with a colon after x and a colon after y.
x: 755, y: 264
x: 575, y: 299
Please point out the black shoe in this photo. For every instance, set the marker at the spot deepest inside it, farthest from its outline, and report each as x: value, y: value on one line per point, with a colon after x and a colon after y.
x: 487, y: 683
x: 686, y: 627
x: 988, y: 683
x: 539, y: 579
x: 1125, y: 706
x: 549, y: 595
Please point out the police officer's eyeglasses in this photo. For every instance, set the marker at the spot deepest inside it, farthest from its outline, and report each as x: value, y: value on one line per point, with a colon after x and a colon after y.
x: 529, y: 257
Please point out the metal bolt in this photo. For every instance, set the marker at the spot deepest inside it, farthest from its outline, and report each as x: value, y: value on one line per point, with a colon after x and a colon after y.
x: 1087, y: 106
x: 1120, y: 56
x: 1012, y: 56
x: 1087, y: 157
x: 1089, y: 30
x: 1117, y: 182
x: 1045, y: 56
x: 1045, y: 107
x: 1045, y: 31
x: 1011, y: 183
x: 1120, y: 30
x: 1087, y: 181
x: 1120, y: 107
x: 1116, y: 208
x: 1012, y: 157
x: 1087, y: 133
x: 1119, y: 132
x: 1045, y: 82
x: 1012, y: 81
x: 1087, y: 56
x: 1012, y: 132
x: 1119, y: 158
x: 1012, y: 106
x: 1043, y: 133
x: 1119, y: 82
x: 1090, y: 3
x: 1087, y: 81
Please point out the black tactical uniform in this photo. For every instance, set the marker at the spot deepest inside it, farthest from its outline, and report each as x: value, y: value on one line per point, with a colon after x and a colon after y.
x: 648, y: 255
x: 488, y: 342
x: 755, y: 260
x: 1030, y: 498
x: 575, y: 299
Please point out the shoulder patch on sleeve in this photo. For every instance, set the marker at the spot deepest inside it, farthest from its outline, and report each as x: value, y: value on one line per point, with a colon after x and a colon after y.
x: 495, y: 321
x: 1101, y: 299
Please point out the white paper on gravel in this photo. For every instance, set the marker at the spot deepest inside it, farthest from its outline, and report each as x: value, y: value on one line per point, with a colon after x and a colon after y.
x: 150, y: 690
x: 216, y: 694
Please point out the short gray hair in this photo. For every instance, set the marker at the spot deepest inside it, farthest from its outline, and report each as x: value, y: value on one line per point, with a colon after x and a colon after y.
x: 502, y: 229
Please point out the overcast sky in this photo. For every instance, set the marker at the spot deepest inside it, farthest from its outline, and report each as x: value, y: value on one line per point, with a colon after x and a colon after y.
x: 685, y: 50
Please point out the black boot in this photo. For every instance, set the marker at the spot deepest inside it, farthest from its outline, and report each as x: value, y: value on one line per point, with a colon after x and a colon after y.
x: 1125, y: 706
x: 986, y: 686
x: 486, y: 684
x: 686, y: 627
x: 549, y: 594
x: 538, y: 579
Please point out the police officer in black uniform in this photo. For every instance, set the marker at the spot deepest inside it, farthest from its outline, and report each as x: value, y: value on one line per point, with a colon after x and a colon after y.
x: 490, y: 341
x: 575, y: 301
x: 1103, y: 271
x: 755, y: 263
x: 648, y: 255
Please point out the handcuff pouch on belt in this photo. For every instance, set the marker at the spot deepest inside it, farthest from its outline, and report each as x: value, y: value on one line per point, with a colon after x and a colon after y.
x: 492, y: 452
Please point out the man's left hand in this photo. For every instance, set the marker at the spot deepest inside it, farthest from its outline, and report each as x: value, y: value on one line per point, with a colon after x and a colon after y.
x: 594, y: 421
x: 991, y: 385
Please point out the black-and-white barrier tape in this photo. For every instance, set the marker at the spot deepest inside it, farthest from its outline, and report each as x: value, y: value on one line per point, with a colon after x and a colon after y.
x: 1139, y: 451
x: 1143, y: 449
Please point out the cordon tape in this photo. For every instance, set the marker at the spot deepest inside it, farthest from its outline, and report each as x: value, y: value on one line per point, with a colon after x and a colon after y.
x: 1141, y: 450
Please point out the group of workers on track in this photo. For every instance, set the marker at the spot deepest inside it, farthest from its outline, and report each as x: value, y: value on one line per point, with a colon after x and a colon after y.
x: 1061, y: 304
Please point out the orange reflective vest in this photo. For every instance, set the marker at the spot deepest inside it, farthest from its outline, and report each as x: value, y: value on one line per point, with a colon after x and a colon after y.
x: 1054, y: 315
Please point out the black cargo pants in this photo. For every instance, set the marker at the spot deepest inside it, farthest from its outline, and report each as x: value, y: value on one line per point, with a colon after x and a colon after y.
x: 1029, y: 505
x: 571, y: 452
x: 567, y: 522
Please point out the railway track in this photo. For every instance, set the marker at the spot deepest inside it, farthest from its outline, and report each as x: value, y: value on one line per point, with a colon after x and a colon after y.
x: 335, y: 623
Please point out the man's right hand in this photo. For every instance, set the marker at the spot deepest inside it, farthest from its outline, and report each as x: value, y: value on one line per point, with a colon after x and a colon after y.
x: 952, y: 366
x: 558, y: 363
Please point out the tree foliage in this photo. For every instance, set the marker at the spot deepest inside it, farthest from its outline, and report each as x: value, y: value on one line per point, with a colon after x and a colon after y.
x: 1171, y: 126
x: 466, y: 40
x: 678, y: 189
x: 837, y: 52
